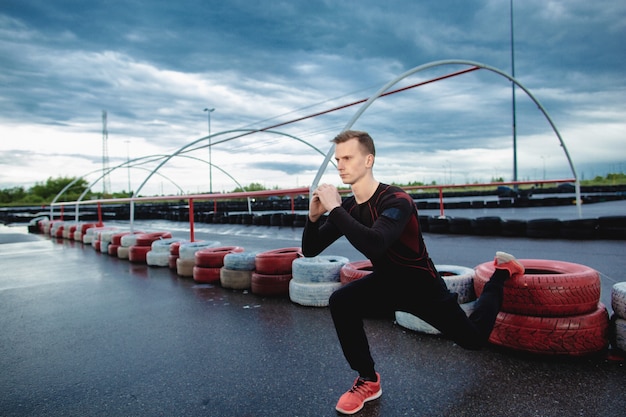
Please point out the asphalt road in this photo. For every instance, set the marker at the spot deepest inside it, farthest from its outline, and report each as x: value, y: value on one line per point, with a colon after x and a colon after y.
x: 86, y: 334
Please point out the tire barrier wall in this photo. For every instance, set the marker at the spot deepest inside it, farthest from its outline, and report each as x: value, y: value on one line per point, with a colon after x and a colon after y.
x: 553, y: 309
x: 609, y: 227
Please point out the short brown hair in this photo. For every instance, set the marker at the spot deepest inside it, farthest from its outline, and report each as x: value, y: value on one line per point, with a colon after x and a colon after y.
x: 363, y: 137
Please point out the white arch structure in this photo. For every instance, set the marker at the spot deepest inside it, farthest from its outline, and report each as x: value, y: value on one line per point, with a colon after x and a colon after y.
x: 144, y: 159
x: 433, y: 64
x: 187, y: 147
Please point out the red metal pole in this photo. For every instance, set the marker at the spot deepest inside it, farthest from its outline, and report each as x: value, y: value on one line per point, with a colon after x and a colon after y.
x: 99, y: 214
x: 191, y: 220
x: 441, y: 201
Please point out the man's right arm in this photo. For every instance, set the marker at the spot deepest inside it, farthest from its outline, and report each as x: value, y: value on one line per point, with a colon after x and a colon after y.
x: 317, y: 237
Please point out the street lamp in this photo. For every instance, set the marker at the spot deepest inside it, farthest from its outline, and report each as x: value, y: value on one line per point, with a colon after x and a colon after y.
x: 209, y: 111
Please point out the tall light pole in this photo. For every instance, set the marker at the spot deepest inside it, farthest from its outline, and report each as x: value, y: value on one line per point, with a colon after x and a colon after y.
x: 513, y: 98
x: 209, y: 111
x: 128, y: 166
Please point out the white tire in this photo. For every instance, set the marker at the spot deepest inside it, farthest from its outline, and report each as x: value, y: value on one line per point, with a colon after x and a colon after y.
x: 163, y: 245
x: 240, y: 261
x: 155, y: 258
x: 188, y: 250
x: 235, y: 279
x: 104, y: 246
x: 459, y: 279
x: 618, y: 299
x: 312, y: 294
x: 184, y: 267
x: 129, y: 240
x: 411, y: 322
x: 123, y: 251
x: 620, y: 333
x: 318, y: 268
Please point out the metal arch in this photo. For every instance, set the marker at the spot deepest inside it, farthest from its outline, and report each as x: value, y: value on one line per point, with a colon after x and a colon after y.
x: 452, y: 62
x: 247, y: 132
x: 80, y: 198
x: 68, y: 186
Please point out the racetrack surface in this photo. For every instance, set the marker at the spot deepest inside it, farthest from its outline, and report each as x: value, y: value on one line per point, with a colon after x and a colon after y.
x: 84, y: 333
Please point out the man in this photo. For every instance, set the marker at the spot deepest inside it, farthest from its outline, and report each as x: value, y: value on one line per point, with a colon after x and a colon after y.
x: 381, y: 222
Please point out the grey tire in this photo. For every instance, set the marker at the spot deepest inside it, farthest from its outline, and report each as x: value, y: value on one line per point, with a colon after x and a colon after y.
x: 188, y: 250
x: 619, y: 333
x: 459, y: 279
x: 312, y: 294
x: 235, y: 279
x: 240, y: 261
x: 318, y: 268
x: 618, y: 299
x: 163, y: 245
x: 156, y: 258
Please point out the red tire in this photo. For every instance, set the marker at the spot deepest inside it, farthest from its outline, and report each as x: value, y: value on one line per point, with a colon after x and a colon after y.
x: 146, y: 239
x: 355, y: 270
x: 214, y: 257
x: 270, y: 285
x: 206, y: 275
x: 276, y: 262
x: 116, y: 239
x: 171, y: 260
x: 137, y: 254
x: 174, y: 248
x: 112, y: 249
x: 547, y: 289
x: 573, y: 335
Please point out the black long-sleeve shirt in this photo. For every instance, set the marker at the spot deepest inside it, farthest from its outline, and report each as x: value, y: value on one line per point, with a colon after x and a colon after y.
x: 385, y: 229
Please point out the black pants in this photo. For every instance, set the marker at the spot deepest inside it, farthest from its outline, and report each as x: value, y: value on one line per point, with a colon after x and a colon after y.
x: 379, y: 295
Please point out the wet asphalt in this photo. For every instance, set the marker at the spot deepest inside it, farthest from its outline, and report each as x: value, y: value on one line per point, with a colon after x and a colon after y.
x: 86, y: 334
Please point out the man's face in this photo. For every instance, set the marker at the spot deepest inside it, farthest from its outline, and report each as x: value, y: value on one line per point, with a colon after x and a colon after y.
x: 353, y: 163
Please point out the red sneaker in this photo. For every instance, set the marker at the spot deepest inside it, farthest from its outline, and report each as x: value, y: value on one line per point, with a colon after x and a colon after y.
x: 361, y: 392
x: 507, y: 261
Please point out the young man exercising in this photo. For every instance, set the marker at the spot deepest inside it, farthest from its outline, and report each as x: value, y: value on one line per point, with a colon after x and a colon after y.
x: 381, y: 222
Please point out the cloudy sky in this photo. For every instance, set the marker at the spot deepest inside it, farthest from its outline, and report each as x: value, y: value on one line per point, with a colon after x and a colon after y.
x: 155, y: 65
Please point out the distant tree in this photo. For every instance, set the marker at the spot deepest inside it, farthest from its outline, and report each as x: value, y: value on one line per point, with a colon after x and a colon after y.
x: 254, y: 186
x: 48, y: 190
x: 11, y: 195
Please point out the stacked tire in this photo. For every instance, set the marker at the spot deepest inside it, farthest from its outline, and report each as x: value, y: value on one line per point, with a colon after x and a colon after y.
x: 126, y: 241
x: 105, y: 239
x: 186, y: 260
x: 209, y: 262
x: 618, y: 321
x: 553, y: 309
x: 458, y: 279
x: 96, y: 242
x: 273, y: 271
x: 237, y: 271
x: 315, y: 279
x: 174, y: 254
x: 116, y: 239
x: 82, y: 229
x: 160, y: 252
x: 138, y: 253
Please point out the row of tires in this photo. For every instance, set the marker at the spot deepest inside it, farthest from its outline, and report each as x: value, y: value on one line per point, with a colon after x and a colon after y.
x: 554, y: 308
x: 608, y: 227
